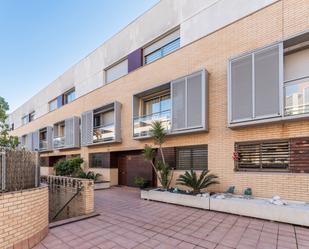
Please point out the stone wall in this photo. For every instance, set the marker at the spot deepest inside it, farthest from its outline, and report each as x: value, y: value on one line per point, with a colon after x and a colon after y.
x: 23, y: 218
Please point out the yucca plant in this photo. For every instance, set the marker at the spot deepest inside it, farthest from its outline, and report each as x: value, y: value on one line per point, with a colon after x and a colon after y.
x: 161, y: 168
x: 192, y: 181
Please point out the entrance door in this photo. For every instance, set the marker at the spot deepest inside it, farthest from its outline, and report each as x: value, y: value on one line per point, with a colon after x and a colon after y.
x: 122, y: 170
x: 131, y: 166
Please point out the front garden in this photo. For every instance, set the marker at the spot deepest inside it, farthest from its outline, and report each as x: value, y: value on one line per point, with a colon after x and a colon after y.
x: 192, y: 190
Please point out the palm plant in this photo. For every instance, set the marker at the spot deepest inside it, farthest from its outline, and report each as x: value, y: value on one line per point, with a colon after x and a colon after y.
x: 161, y: 168
x: 191, y: 180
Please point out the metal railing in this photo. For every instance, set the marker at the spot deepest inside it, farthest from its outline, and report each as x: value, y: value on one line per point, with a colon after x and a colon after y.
x: 104, y: 133
x: 58, y: 142
x: 142, y: 124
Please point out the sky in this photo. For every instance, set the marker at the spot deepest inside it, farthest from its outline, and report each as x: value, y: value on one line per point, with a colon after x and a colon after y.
x: 41, y: 39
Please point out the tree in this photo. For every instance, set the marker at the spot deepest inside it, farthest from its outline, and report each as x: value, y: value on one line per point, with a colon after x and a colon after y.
x: 161, y: 168
x: 6, y: 140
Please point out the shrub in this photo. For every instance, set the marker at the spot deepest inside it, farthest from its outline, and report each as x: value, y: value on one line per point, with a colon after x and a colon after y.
x: 69, y: 167
x: 141, y: 182
x: 190, y: 180
x: 89, y: 175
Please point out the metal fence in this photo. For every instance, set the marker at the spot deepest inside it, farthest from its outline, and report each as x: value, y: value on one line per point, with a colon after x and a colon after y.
x: 19, y: 169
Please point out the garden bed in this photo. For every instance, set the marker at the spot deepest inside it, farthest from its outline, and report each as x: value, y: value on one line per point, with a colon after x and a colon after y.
x: 293, y: 212
x: 196, y: 201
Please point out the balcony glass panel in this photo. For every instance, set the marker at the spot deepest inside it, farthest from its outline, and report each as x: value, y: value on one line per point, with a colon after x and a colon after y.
x: 297, y: 97
x: 43, y: 144
x: 58, y: 142
x: 142, y: 125
x: 104, y: 133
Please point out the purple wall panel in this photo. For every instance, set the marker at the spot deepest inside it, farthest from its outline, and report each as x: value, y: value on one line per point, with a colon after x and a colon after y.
x: 135, y: 60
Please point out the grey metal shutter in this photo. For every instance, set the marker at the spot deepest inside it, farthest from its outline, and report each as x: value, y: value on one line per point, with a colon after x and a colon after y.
x: 87, y: 128
x: 76, y: 132
x: 267, y: 77
x: 29, y: 142
x: 241, y: 88
x: 178, y: 92
x: 194, y: 101
x: 49, y: 137
x: 35, y: 140
x: 69, y: 133
x: 117, y: 121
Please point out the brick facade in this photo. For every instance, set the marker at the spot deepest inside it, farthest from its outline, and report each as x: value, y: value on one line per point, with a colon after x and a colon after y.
x: 278, y: 21
x: 23, y: 218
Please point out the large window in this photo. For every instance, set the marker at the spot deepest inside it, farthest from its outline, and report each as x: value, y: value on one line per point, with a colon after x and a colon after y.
x: 25, y: 119
x: 69, y: 96
x: 53, y: 105
x: 162, y: 47
x: 116, y: 71
x: 262, y: 156
x: 31, y: 116
x: 99, y: 160
x: 157, y: 104
x: 192, y: 157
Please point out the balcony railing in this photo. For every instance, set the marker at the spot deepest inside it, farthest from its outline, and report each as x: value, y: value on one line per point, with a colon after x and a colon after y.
x: 104, y: 133
x: 58, y: 142
x: 43, y: 144
x: 142, y: 125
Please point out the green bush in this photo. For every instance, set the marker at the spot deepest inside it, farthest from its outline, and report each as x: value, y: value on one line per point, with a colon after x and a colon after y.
x: 69, y: 167
x: 141, y: 182
x: 89, y: 175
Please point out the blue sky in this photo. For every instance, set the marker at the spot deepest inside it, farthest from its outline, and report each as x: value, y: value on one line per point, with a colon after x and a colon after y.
x: 40, y: 39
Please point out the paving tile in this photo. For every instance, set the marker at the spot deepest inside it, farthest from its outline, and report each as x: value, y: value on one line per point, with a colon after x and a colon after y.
x: 129, y: 222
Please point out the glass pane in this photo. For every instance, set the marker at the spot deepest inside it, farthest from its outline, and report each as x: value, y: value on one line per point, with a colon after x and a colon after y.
x: 297, y: 97
x: 108, y: 118
x: 153, y: 56
x: 165, y: 103
x: 152, y: 106
x: 171, y: 47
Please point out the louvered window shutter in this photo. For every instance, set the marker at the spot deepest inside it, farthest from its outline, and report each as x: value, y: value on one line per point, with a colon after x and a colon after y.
x: 87, y: 128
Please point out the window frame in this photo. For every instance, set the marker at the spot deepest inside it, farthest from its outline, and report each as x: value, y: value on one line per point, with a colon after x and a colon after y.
x: 66, y: 94
x: 191, y: 148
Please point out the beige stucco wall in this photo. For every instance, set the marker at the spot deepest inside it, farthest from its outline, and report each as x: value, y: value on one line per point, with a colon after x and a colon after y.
x: 23, y: 218
x: 273, y: 23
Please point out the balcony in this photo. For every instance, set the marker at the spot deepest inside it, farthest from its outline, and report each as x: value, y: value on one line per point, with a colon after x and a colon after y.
x: 43, y: 144
x: 104, y: 133
x: 142, y: 124
x: 58, y: 142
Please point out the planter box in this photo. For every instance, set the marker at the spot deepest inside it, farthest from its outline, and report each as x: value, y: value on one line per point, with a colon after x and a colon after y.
x: 175, y: 198
x: 293, y: 213
x: 101, y: 185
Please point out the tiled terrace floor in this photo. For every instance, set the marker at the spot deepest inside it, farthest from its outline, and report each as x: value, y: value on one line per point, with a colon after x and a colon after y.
x: 128, y: 222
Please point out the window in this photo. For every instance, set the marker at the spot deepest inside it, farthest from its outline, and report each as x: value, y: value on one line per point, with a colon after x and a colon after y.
x: 157, y: 104
x: 263, y: 156
x: 99, y: 160
x: 162, y: 47
x: 192, y: 157
x: 254, y: 88
x: 69, y: 96
x: 53, y: 105
x: 116, y: 71
x: 31, y: 116
x: 12, y: 127
x: 103, y: 119
x: 25, y: 119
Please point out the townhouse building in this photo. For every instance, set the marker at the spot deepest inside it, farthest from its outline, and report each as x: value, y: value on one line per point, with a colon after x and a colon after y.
x: 229, y: 80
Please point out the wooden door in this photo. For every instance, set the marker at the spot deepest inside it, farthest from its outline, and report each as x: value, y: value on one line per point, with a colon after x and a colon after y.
x: 122, y: 170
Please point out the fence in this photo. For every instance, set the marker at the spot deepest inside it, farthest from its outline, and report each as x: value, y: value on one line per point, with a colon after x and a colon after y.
x: 19, y: 169
x: 69, y: 197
